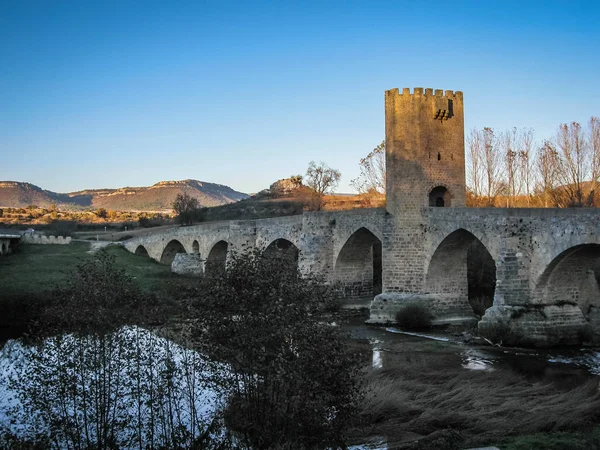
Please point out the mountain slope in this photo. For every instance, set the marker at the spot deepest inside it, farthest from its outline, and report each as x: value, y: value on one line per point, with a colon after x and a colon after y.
x: 158, y: 197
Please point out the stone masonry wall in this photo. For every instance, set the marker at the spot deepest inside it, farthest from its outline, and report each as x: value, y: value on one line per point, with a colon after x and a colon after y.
x: 41, y: 239
x: 424, y: 133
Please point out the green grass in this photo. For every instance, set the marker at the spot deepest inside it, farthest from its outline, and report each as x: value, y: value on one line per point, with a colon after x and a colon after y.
x: 555, y: 441
x: 35, y: 269
x: 29, y: 276
x: 148, y: 273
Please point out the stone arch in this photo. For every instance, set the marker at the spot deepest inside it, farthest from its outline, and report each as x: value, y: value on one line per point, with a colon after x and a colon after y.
x: 358, y: 266
x: 195, y: 247
x: 440, y: 196
x: 463, y: 269
x: 141, y: 251
x: 572, y: 277
x: 557, y: 247
x: 172, y: 248
x: 4, y: 249
x: 282, y: 248
x: 217, y: 257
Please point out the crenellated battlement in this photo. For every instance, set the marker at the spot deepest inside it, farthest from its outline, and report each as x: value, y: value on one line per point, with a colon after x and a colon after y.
x: 424, y: 137
x: 419, y: 91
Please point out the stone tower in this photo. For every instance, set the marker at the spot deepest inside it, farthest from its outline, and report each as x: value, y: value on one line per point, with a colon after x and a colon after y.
x: 425, y: 160
x: 425, y: 152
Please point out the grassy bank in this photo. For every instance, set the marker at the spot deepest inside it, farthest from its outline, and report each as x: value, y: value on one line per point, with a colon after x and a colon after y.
x: 555, y: 441
x: 423, y: 398
x: 35, y: 269
x: 29, y: 276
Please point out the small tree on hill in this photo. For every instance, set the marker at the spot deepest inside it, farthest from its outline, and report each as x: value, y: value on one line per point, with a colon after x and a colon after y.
x: 322, y: 179
x: 185, y: 206
x: 296, y: 180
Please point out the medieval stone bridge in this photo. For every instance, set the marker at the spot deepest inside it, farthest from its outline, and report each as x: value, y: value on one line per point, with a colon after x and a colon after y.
x: 546, y: 261
x: 532, y: 273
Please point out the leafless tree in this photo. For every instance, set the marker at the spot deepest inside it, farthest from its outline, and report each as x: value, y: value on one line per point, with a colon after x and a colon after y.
x: 475, y: 161
x: 509, y: 143
x: 322, y: 179
x: 548, y: 166
x: 372, y: 171
x: 594, y: 147
x: 492, y: 166
x: 526, y: 162
x: 575, y: 163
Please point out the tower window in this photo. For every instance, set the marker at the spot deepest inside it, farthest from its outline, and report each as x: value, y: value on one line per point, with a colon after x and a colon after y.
x: 439, y: 157
x: 439, y: 197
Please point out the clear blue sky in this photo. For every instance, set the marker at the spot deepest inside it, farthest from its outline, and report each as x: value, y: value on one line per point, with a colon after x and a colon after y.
x: 116, y: 93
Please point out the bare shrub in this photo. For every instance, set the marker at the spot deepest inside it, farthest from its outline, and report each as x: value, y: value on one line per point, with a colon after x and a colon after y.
x: 414, y: 316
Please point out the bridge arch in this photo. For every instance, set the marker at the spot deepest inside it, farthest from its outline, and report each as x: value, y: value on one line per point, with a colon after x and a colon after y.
x: 358, y: 266
x: 4, y: 249
x: 172, y: 248
x: 463, y: 268
x: 196, y: 247
x: 217, y: 257
x: 282, y: 248
x: 141, y: 251
x: 572, y: 277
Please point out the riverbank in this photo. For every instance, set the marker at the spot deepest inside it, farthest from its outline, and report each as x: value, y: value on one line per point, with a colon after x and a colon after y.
x: 438, y: 390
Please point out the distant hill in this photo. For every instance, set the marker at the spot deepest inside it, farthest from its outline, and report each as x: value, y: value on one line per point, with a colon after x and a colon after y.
x: 158, y: 197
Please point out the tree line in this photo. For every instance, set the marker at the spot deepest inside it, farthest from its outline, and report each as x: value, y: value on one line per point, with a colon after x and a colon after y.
x: 510, y: 169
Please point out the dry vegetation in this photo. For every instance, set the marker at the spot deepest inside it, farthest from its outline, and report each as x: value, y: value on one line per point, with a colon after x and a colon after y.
x: 444, y: 408
x: 509, y: 169
x: 32, y: 215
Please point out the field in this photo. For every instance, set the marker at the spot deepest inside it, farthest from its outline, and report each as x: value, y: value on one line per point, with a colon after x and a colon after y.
x: 35, y: 269
x: 28, y: 277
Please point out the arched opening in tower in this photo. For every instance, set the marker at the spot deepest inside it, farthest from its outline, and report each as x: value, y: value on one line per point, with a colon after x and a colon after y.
x: 358, y: 267
x: 4, y: 249
x: 440, y: 197
x: 573, y: 277
x: 141, y: 251
x: 196, y: 247
x: 282, y: 249
x: 217, y: 257
x: 463, y: 270
x: 172, y: 248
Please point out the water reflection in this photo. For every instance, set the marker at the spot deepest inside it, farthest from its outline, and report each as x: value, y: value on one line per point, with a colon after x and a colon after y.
x: 391, y: 347
x: 474, y: 359
x: 377, y: 354
x: 127, y: 389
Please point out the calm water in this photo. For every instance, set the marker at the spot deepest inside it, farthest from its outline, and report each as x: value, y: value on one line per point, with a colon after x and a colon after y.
x: 390, y: 346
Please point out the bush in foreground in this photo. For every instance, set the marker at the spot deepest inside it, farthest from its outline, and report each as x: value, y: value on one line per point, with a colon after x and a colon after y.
x: 414, y: 316
x: 292, y: 381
